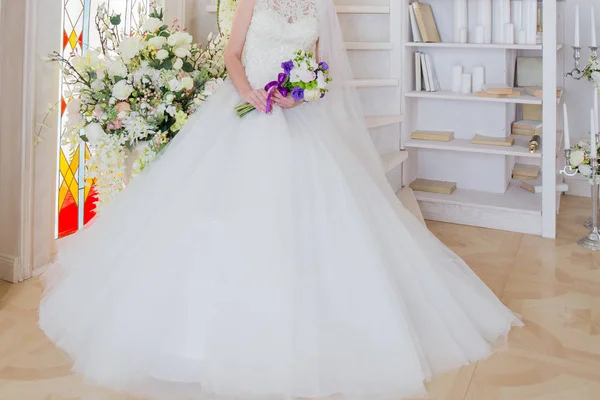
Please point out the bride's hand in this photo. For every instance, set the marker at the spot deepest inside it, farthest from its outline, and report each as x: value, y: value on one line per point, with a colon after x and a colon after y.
x: 258, y: 98
x: 285, y: 102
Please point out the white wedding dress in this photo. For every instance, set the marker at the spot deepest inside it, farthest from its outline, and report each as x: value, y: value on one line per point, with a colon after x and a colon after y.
x: 258, y: 259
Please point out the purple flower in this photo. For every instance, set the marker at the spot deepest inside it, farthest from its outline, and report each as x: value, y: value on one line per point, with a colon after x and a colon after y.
x: 324, y: 66
x: 287, y: 67
x: 298, y: 93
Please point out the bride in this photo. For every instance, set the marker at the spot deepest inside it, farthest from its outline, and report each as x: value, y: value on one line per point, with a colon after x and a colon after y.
x: 266, y: 257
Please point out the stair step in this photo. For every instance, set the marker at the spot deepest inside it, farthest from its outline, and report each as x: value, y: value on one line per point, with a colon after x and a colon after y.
x: 377, y: 121
x: 391, y: 161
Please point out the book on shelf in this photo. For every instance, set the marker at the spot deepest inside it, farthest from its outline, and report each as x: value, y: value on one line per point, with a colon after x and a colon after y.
x: 432, y: 186
x: 414, y: 26
x: 498, y: 88
x: 538, y: 92
x: 531, y: 186
x: 532, y: 112
x: 525, y: 172
x: 438, y: 136
x: 526, y: 128
x: 493, y: 141
x: 418, y: 73
x: 426, y: 22
x: 429, y: 78
x: 497, y: 95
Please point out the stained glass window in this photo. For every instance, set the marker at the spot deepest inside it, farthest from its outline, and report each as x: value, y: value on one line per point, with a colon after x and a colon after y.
x: 76, y: 193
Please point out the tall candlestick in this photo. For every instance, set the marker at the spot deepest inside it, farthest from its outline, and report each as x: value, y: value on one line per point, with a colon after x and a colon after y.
x: 593, y: 38
x: 595, y: 107
x: 593, y: 149
x: 566, y: 127
x: 576, y: 37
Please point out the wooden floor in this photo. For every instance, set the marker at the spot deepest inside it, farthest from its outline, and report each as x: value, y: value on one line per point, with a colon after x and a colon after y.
x: 554, y: 285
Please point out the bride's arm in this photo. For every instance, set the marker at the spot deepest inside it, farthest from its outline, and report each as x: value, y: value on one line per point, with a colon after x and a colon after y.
x: 233, y: 56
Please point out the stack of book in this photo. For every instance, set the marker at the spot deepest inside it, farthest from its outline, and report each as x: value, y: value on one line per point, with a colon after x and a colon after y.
x: 425, y: 76
x: 423, y: 24
x: 526, y: 128
x: 525, y: 172
x: 498, y: 91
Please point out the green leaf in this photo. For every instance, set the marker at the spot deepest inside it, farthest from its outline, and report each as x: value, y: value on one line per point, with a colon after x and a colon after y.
x: 187, y: 67
x: 118, y: 79
x: 84, y: 138
x: 164, y: 27
x: 115, y: 19
x: 167, y: 64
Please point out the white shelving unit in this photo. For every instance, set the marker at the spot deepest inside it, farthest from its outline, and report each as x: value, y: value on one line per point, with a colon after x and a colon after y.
x: 486, y: 195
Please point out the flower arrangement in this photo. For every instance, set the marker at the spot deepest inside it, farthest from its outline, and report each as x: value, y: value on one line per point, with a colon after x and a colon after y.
x: 225, y: 12
x: 592, y: 72
x: 302, y: 77
x: 137, y: 88
x: 579, y: 159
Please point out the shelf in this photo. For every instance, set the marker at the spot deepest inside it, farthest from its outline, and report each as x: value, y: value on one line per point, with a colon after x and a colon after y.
x: 490, y: 46
x: 518, y: 149
x: 377, y: 121
x: 391, y: 161
x: 212, y: 8
x: 369, y: 46
x: 368, y: 83
x: 449, y: 95
x: 515, y: 199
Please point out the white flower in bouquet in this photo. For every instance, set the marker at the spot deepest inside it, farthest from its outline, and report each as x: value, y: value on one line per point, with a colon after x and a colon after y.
x: 211, y: 86
x: 94, y: 133
x: 162, y: 55
x: 152, y: 25
x: 122, y: 90
x: 131, y: 47
x: 596, y: 77
x: 182, y: 52
x: 180, y: 39
x: 74, y: 117
x: 172, y: 110
x: 178, y: 64
x: 312, y: 95
x: 157, y: 42
x: 307, y: 76
x: 187, y: 83
x: 585, y: 170
x: 117, y: 68
x: 321, y: 80
x: 576, y: 158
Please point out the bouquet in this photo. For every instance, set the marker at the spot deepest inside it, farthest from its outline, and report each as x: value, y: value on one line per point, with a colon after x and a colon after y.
x: 137, y: 87
x: 579, y: 159
x: 302, y: 77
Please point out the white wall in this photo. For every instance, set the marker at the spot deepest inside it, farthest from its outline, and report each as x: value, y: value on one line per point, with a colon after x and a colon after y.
x: 578, y: 94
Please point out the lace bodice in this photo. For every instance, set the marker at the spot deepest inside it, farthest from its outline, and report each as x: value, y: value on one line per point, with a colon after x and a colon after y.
x: 278, y: 29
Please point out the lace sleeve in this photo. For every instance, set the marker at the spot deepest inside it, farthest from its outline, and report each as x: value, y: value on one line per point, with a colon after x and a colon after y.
x: 289, y: 10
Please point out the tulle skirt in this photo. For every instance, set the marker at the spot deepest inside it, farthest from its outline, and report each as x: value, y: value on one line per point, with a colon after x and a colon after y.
x: 256, y: 259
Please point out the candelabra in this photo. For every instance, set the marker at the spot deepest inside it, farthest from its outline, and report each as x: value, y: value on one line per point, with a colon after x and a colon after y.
x: 592, y: 239
x: 576, y: 72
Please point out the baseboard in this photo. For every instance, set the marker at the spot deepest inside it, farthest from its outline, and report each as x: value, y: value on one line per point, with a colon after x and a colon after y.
x: 578, y: 186
x: 9, y: 267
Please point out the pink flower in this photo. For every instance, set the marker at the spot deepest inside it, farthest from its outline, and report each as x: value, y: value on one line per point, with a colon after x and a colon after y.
x: 114, y: 125
x: 98, y: 112
x: 123, y: 106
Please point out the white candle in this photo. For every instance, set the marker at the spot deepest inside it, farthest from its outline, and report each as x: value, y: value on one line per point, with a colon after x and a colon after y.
x: 595, y: 94
x: 593, y: 149
x: 566, y: 127
x: 466, y: 83
x: 593, y: 38
x: 576, y: 38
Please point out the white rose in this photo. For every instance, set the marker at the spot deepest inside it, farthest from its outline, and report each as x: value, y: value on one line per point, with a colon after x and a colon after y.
x: 576, y: 158
x: 178, y: 64
x: 295, y: 75
x: 180, y: 39
x: 311, y: 95
x: 157, y: 42
x: 169, y: 97
x: 162, y: 55
x: 175, y: 85
x: 187, y: 83
x: 585, y: 170
x: 152, y: 25
x: 182, y: 51
x: 307, y: 76
x: 117, y: 68
x: 122, y: 90
x: 98, y: 85
x: 94, y: 133
x: 171, y: 110
x: 131, y: 46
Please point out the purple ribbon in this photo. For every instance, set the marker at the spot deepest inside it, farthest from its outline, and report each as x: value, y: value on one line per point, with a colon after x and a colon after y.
x: 276, y: 85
